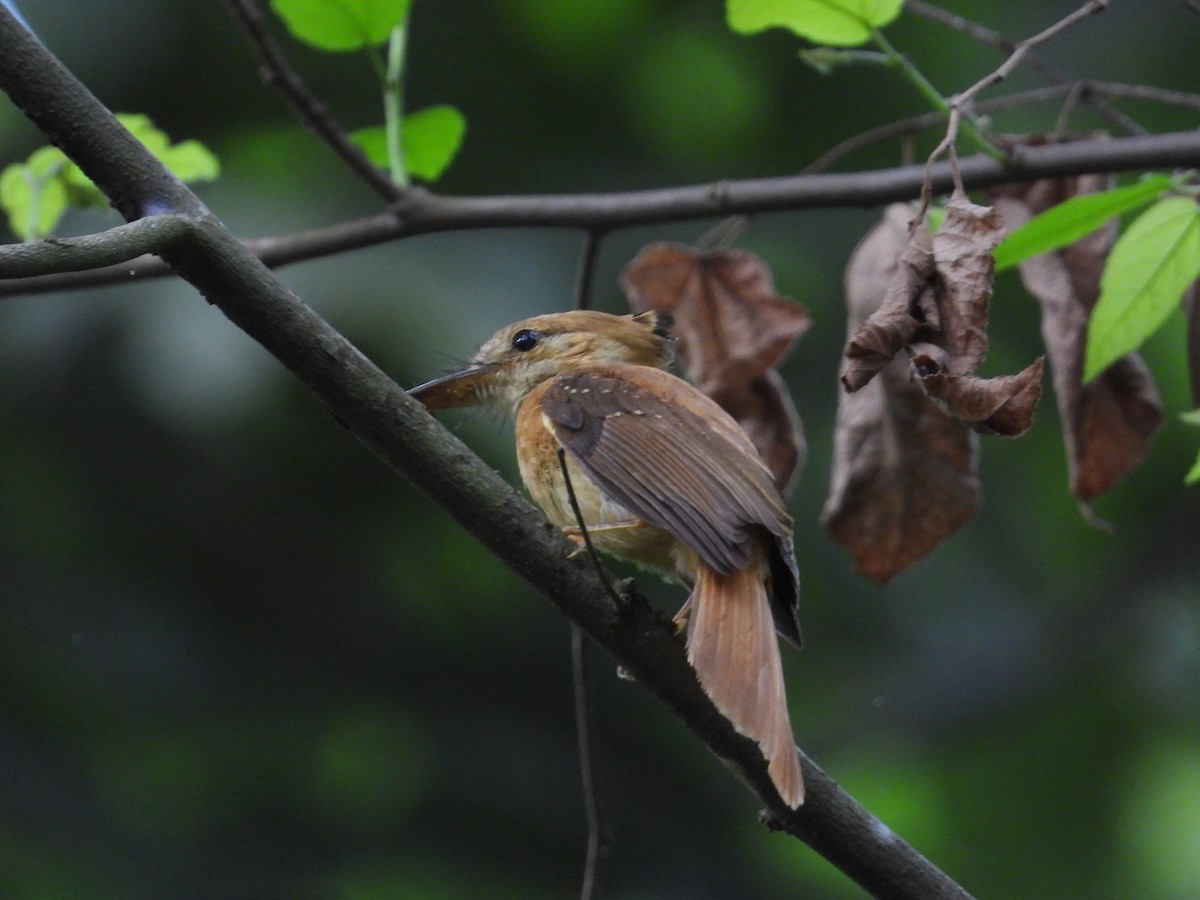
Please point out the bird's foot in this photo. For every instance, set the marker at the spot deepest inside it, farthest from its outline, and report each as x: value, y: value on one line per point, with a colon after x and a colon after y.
x: 579, y: 539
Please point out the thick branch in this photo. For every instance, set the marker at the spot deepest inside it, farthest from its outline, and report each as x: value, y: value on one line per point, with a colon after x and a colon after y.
x: 422, y: 212
x: 404, y: 435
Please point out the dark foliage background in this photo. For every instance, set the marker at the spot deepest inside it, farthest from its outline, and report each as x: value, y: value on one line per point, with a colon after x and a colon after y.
x: 240, y: 659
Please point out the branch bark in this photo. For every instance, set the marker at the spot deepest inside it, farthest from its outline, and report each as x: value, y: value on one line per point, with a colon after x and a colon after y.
x: 424, y: 212
x: 406, y: 437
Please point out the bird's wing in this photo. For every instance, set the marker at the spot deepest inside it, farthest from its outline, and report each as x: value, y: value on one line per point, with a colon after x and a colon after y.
x: 670, y: 455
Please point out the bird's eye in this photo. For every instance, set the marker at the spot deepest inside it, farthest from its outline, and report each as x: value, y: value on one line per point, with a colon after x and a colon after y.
x: 526, y: 339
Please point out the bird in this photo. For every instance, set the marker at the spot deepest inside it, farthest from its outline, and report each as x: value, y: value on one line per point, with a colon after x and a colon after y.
x: 663, y: 478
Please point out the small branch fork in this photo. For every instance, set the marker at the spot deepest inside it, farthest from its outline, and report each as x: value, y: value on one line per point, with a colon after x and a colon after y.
x: 1049, y: 71
x: 1082, y: 90
x: 960, y: 102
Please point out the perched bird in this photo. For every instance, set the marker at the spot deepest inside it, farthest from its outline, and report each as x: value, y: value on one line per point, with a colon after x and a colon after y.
x: 663, y: 478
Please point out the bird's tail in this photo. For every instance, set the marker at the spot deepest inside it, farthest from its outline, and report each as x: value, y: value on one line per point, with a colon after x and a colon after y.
x: 732, y: 646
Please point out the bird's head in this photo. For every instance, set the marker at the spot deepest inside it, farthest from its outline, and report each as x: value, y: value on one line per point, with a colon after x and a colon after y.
x: 520, y: 356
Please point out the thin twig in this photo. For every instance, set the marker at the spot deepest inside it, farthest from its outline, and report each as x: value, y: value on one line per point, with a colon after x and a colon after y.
x: 279, y: 74
x: 961, y: 101
x: 724, y: 234
x: 585, y: 715
x: 1049, y: 71
x: 1084, y: 89
x: 584, y: 275
x: 1063, y: 123
x: 583, y: 530
x: 598, y: 845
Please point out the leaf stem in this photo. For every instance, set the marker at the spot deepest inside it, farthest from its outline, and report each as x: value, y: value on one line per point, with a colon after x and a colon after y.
x: 393, y: 104
x: 931, y: 93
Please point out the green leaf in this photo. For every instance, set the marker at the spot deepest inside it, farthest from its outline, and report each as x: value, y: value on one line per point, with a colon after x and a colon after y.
x: 837, y: 23
x: 431, y: 139
x: 373, y: 142
x: 341, y: 25
x: 191, y: 161
x: 34, y: 193
x: 1192, y: 417
x: 1194, y: 475
x: 1149, y: 268
x: 934, y: 217
x: 1069, y: 221
x: 188, y: 160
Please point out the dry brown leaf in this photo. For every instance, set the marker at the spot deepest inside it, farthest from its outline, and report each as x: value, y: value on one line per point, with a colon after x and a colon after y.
x: 731, y: 329
x: 906, y: 294
x: 766, y: 413
x: 1107, y: 424
x: 1003, y: 405
x: 904, y: 475
x: 731, y: 325
x: 903, y: 469
x: 962, y: 252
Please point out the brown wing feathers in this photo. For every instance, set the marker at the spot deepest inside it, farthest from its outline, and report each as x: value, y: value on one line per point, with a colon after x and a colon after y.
x: 660, y: 461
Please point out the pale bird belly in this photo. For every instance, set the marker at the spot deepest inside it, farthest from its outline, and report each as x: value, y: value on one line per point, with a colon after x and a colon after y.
x: 643, y: 545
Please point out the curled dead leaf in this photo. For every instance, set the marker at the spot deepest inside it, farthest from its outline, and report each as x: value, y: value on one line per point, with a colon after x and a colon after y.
x: 904, y: 470
x: 882, y: 333
x: 962, y: 252
x: 1003, y: 405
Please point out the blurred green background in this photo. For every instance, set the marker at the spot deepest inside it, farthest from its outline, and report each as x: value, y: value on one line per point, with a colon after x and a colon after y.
x: 240, y: 659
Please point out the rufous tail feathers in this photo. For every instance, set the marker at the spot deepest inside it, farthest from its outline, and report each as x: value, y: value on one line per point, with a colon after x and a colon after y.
x: 732, y: 646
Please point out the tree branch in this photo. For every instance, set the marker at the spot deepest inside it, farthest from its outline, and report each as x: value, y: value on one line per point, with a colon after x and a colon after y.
x: 93, y: 251
x: 406, y: 437
x: 423, y: 212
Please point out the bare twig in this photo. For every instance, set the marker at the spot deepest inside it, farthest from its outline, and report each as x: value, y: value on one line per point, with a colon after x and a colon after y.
x: 587, y: 269
x: 1049, y: 71
x: 280, y: 75
x: 92, y: 251
x: 960, y: 101
x: 585, y: 715
x: 423, y: 212
x: 1085, y: 90
x: 583, y: 530
x: 589, y: 767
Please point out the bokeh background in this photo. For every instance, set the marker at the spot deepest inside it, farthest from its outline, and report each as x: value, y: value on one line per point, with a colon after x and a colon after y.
x: 239, y: 658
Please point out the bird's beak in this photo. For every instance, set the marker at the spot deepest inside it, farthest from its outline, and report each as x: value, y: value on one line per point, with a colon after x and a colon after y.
x: 465, y: 388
